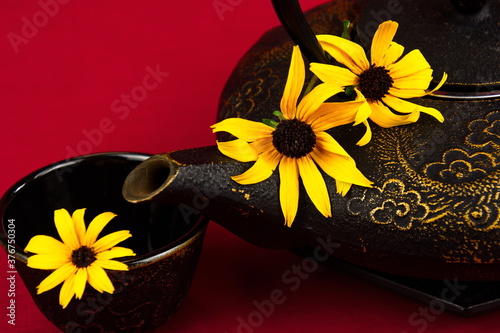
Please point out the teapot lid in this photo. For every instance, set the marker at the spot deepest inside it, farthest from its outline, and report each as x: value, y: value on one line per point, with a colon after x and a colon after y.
x: 459, y: 37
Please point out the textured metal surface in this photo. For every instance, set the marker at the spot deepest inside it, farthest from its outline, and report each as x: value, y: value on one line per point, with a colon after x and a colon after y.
x: 434, y: 210
x: 467, y: 47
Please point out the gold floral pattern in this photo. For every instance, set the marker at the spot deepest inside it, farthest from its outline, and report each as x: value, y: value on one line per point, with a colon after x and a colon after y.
x: 459, y: 166
x: 485, y: 131
x: 483, y: 215
x: 391, y: 204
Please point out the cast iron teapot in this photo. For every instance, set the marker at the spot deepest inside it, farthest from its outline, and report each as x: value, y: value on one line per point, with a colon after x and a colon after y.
x: 434, y: 208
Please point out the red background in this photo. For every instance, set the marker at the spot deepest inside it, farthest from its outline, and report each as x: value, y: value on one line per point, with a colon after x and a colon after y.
x: 60, y: 82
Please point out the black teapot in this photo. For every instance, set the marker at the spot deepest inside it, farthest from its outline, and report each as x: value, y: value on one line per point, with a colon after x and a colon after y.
x: 434, y: 208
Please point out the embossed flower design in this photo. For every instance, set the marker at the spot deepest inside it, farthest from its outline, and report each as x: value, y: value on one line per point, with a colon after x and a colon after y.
x: 391, y: 204
x: 485, y: 131
x: 458, y: 166
x: 482, y: 215
x: 257, y: 87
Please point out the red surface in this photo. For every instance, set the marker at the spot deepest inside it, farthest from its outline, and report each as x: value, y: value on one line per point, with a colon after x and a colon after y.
x: 66, y: 80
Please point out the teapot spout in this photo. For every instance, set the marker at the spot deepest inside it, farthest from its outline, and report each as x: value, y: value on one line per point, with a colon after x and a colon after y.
x: 199, y: 181
x: 147, y: 181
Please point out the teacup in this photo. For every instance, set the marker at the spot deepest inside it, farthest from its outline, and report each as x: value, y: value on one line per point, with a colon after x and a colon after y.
x: 167, y: 241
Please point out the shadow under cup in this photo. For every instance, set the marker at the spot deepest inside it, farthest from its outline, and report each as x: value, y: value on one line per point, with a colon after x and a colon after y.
x: 167, y: 242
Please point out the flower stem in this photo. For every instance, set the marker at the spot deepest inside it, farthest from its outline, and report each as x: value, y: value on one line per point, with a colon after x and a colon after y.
x: 310, y: 85
x: 345, y: 33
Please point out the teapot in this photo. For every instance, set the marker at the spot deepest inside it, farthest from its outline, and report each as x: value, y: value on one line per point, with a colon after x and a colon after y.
x: 434, y: 208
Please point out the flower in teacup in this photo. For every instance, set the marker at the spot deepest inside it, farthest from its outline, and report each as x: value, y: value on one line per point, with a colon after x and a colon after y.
x: 382, y: 83
x: 297, y: 143
x: 80, y: 257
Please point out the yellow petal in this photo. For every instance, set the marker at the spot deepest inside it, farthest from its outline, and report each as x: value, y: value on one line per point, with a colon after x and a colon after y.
x: 342, y: 187
x: 394, y: 52
x: 364, y: 111
x: 419, y: 80
x: 326, y: 142
x: 315, y: 185
x: 238, y: 149
x: 108, y: 241
x: 244, y: 129
x: 339, y: 167
x: 443, y: 80
x: 330, y: 115
x: 67, y: 291
x: 294, y: 84
x: 48, y: 261
x: 334, y: 76
x: 406, y: 107
x: 115, y: 252
x: 399, y: 105
x: 42, y: 244
x: 382, y: 41
x: 79, y: 224
x: 383, y: 117
x: 346, y: 52
x: 289, y: 188
x: 367, y: 136
x: 263, y: 144
x: 411, y: 63
x: 56, y: 277
x: 96, y: 226
x: 111, y: 264
x: 261, y: 170
x: 406, y: 93
x: 66, y: 228
x: 98, y: 279
x: 79, y: 282
x: 312, y: 101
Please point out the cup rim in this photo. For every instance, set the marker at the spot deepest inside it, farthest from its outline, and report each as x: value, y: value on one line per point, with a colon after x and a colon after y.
x: 132, y: 262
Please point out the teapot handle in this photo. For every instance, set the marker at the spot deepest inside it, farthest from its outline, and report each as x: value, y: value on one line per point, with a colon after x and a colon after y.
x: 468, y: 7
x: 293, y: 20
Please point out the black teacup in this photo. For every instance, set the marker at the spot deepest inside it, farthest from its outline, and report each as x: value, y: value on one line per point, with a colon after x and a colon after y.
x: 167, y: 241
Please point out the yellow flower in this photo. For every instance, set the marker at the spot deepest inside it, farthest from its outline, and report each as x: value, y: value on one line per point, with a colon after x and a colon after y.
x: 381, y: 83
x: 79, y: 258
x: 297, y: 144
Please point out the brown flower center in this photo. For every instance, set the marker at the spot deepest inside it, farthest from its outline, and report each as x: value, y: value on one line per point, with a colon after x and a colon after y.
x: 83, y: 256
x: 374, y: 83
x: 294, y: 138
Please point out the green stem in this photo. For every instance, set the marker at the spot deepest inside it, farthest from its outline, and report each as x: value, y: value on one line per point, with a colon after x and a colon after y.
x: 311, y: 85
x: 345, y: 33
